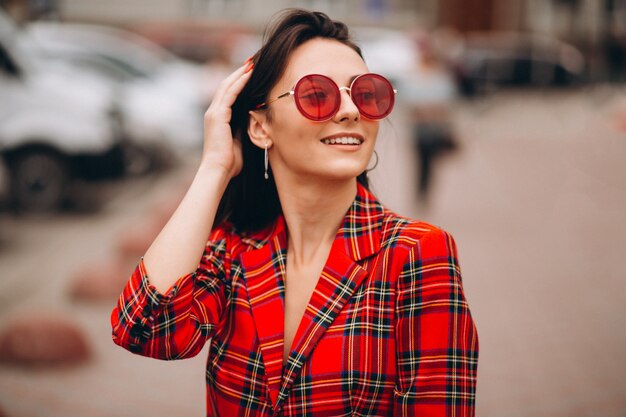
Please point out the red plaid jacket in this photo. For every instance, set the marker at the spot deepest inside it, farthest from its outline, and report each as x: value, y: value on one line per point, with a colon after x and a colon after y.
x: 387, y: 331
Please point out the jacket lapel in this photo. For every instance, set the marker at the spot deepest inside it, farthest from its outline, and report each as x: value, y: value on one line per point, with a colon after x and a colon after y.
x: 264, y: 271
x: 358, y: 238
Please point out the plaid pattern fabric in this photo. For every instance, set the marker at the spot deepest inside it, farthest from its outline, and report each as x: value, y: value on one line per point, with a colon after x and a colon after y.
x: 387, y: 331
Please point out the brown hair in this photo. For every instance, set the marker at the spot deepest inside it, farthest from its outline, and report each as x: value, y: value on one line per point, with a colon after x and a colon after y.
x: 251, y: 202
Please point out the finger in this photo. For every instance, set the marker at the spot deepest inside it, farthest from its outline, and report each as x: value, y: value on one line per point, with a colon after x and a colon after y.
x: 228, y: 81
x: 221, y: 108
x: 230, y: 95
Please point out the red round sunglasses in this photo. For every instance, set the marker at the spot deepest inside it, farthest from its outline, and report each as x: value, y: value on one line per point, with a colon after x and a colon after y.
x: 318, y: 97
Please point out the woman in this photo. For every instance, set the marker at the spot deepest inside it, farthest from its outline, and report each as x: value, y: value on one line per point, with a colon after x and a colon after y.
x: 316, y: 299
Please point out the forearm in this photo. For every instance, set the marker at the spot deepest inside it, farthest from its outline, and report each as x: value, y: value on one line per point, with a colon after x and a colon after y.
x: 141, y: 315
x: 178, y: 248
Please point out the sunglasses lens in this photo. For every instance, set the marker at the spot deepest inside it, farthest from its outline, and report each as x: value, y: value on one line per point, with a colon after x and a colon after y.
x: 373, y: 95
x: 317, y: 97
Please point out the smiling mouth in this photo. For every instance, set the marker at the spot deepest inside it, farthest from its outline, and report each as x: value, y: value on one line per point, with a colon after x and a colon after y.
x: 347, y: 140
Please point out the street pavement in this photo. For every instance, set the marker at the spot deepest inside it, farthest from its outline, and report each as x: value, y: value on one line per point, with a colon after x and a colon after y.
x: 535, y: 197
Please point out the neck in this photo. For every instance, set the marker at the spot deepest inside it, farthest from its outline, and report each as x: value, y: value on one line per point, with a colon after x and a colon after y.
x: 313, y: 213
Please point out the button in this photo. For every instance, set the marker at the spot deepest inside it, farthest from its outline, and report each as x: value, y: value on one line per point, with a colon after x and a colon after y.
x: 137, y: 330
x: 147, y: 311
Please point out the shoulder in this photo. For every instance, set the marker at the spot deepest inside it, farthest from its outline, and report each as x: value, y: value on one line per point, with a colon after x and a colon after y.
x: 422, y: 254
x: 227, y: 237
x: 402, y: 232
x: 399, y: 235
x: 395, y: 231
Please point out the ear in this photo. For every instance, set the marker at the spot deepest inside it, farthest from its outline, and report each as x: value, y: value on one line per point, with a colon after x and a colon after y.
x: 258, y: 129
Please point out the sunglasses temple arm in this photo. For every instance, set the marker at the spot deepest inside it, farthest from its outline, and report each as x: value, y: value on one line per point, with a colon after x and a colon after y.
x: 267, y: 103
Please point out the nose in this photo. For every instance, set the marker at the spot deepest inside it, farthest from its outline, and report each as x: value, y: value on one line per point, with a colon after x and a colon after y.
x: 347, y: 109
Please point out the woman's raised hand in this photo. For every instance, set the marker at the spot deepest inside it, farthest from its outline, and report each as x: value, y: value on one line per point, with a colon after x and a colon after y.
x: 221, y: 150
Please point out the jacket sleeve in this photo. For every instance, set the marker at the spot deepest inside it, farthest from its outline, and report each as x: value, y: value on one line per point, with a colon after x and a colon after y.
x: 436, y: 339
x: 176, y: 324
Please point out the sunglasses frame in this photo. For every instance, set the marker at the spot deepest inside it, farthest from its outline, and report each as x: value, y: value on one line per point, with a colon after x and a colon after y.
x: 292, y: 92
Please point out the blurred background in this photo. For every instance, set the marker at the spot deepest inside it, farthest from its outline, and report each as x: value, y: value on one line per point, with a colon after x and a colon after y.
x: 509, y: 132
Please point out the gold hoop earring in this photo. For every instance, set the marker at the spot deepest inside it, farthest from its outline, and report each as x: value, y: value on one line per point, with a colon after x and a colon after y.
x: 266, y: 162
x: 375, y: 163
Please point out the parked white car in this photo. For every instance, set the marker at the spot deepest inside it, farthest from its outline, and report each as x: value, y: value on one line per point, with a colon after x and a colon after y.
x: 55, y: 126
x: 161, y: 97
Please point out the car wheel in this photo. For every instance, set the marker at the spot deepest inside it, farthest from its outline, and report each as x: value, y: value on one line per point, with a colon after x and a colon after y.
x: 39, y: 181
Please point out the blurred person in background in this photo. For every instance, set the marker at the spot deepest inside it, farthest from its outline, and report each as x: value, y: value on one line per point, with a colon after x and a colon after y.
x: 315, y: 298
x: 429, y: 98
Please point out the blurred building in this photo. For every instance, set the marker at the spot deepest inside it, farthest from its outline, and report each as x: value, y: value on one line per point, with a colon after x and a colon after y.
x: 565, y: 19
x: 571, y: 20
x: 255, y: 13
x: 596, y: 27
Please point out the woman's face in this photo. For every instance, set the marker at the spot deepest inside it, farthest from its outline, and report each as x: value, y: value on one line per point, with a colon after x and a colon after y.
x: 298, y: 144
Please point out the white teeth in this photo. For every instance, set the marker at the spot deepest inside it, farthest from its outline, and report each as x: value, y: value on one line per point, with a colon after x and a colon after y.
x: 343, y: 141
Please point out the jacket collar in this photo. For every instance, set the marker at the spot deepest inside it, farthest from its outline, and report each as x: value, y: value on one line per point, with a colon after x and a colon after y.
x: 360, y: 229
x: 264, y: 269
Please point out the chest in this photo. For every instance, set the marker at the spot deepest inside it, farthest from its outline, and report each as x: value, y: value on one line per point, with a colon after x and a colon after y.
x: 345, y: 347
x: 336, y: 320
x: 300, y: 282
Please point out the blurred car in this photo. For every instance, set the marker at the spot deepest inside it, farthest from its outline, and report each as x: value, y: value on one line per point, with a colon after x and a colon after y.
x: 161, y: 97
x: 491, y: 60
x: 55, y: 127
